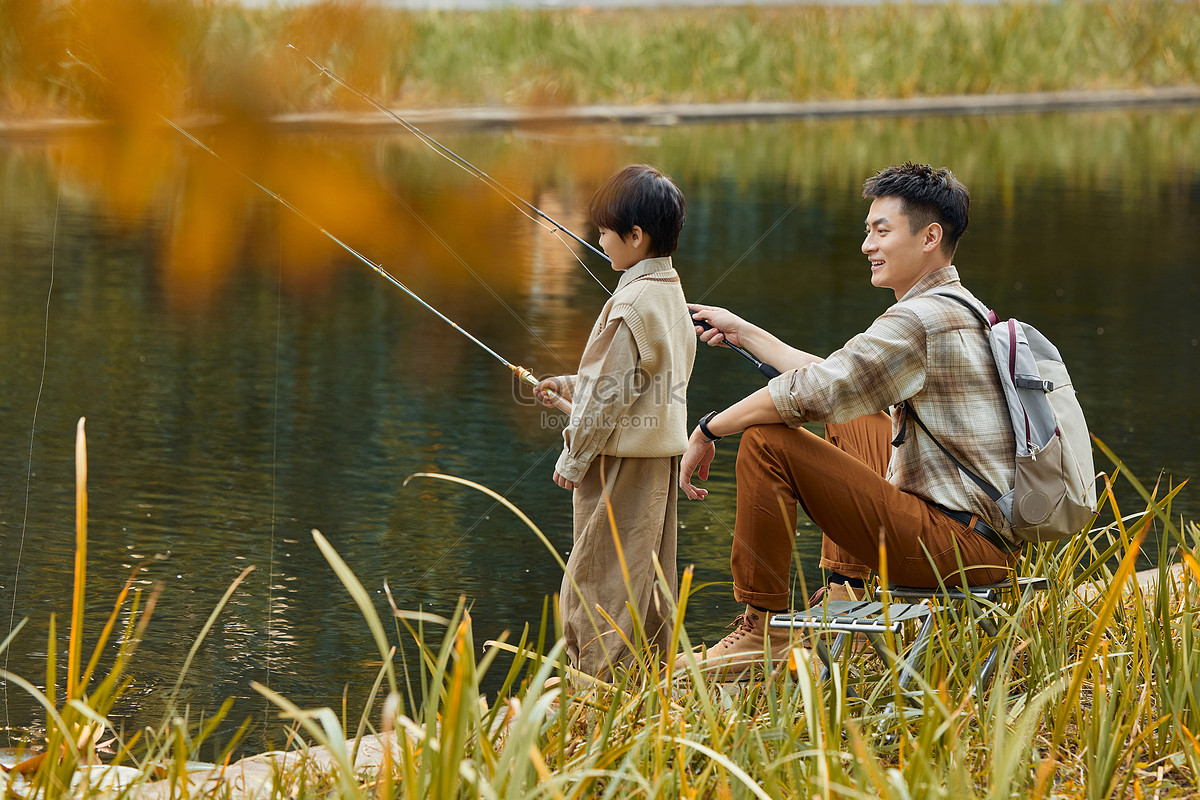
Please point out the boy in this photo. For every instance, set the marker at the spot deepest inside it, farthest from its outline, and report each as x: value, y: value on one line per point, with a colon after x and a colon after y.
x: 627, y: 429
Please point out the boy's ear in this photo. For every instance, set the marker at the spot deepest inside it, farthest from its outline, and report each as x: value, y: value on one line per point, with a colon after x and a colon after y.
x: 638, y: 237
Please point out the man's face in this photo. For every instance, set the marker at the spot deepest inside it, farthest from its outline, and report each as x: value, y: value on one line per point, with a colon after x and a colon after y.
x: 898, y: 257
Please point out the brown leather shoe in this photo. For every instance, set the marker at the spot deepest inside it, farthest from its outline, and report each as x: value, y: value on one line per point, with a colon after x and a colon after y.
x: 834, y: 592
x: 842, y: 591
x: 735, y: 655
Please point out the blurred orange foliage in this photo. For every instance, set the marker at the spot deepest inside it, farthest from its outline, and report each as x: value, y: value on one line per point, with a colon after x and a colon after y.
x: 135, y: 63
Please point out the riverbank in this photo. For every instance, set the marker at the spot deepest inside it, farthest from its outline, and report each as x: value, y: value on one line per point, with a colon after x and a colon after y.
x: 1094, y: 695
x: 682, y: 113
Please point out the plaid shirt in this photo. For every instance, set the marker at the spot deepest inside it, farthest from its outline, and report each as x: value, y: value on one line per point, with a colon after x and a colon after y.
x: 933, y: 352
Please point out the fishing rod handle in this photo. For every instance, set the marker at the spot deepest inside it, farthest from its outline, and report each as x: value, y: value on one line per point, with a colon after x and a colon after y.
x: 766, y: 369
x: 560, y: 402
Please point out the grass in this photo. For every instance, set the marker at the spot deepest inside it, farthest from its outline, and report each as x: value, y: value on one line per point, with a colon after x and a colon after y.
x: 1097, y: 696
x: 221, y: 57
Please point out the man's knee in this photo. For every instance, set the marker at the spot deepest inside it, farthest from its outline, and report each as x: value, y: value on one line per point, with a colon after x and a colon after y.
x: 773, y: 450
x: 760, y: 440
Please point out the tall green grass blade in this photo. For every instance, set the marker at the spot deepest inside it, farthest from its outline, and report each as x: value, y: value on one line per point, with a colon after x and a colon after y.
x: 362, y: 600
x: 75, y: 645
x: 369, y: 704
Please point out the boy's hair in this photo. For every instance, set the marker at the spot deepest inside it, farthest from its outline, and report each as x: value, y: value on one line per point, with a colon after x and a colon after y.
x: 926, y: 195
x: 643, y: 196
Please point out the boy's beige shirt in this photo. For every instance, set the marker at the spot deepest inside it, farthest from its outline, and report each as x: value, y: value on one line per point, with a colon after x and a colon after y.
x: 630, y: 395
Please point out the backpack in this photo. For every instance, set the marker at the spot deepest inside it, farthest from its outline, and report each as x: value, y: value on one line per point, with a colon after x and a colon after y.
x: 1054, y: 491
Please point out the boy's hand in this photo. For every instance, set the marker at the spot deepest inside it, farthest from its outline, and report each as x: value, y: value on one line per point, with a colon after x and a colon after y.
x: 543, y: 392
x: 563, y: 482
x: 722, y: 325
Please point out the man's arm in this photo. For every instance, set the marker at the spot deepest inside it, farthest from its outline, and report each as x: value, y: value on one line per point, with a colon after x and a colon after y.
x: 729, y: 327
x: 757, y: 409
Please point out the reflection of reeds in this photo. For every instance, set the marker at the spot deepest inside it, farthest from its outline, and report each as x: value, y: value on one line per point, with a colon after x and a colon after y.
x: 131, y: 60
x: 1096, y: 697
x: 232, y: 59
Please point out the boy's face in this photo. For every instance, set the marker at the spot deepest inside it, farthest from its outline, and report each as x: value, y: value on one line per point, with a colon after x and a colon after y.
x: 625, y: 252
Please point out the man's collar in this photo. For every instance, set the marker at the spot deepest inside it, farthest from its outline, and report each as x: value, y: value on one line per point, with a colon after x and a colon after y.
x: 646, y: 266
x: 939, y: 277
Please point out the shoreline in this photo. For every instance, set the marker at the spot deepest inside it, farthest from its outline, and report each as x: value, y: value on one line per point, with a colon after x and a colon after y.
x: 493, y: 117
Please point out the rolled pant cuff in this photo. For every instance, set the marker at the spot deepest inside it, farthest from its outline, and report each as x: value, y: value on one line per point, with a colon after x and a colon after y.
x: 771, y: 602
x: 850, y: 569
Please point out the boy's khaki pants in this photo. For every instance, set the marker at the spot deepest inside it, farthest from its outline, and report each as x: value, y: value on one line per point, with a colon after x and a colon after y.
x: 840, y: 483
x: 642, y: 496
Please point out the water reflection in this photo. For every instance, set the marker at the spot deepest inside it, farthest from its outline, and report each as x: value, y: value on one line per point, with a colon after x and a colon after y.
x: 232, y: 408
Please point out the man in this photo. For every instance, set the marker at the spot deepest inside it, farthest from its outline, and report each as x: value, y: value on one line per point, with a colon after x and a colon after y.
x: 908, y: 502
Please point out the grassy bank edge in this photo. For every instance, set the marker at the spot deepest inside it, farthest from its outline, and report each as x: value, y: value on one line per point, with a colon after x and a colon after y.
x: 486, y: 117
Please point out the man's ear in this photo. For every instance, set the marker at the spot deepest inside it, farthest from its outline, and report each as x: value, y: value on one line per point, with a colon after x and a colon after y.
x: 933, y: 237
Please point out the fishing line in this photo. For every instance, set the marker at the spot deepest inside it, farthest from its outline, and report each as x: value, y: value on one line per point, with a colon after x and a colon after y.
x: 515, y: 200
x: 479, y: 520
x: 274, y: 470
x: 429, y: 229
x: 766, y: 369
x: 12, y: 615
x: 749, y: 249
x: 521, y: 373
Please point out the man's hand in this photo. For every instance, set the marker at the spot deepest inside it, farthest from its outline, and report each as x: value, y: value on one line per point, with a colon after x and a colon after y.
x: 699, y: 455
x: 563, y: 482
x: 726, y: 326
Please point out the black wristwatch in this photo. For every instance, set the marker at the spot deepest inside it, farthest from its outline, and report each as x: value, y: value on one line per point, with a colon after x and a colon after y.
x: 704, y: 427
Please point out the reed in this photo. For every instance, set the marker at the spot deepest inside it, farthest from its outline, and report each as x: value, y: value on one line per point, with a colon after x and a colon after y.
x: 233, y: 60
x: 1096, y: 696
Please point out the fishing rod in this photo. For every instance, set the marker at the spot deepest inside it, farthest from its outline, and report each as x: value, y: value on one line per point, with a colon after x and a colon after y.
x: 522, y: 374
x: 766, y: 369
x: 514, y: 199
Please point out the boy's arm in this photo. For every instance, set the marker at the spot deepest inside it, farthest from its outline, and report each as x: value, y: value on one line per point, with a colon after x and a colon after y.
x: 606, y: 387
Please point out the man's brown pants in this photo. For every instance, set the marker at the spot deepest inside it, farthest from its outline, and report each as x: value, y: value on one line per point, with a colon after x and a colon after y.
x: 839, y: 481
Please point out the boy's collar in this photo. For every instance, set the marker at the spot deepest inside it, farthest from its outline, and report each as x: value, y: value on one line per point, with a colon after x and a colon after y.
x: 646, y: 266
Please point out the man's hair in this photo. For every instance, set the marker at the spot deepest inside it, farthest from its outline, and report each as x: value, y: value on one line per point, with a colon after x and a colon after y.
x: 641, y: 195
x: 926, y: 195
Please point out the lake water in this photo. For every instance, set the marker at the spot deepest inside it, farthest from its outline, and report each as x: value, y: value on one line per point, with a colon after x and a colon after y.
x: 244, y: 382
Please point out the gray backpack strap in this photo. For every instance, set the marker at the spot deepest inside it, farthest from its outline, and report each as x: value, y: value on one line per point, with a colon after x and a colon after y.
x: 988, y: 489
x: 986, y: 315
x: 988, y: 318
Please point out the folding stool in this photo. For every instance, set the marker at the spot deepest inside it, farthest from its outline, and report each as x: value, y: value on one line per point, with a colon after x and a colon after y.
x: 841, y: 619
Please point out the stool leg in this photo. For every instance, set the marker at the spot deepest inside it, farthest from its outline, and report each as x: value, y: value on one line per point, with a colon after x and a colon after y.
x: 829, y: 655
x: 988, y: 670
x: 910, y: 663
x: 826, y: 658
x: 839, y: 644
